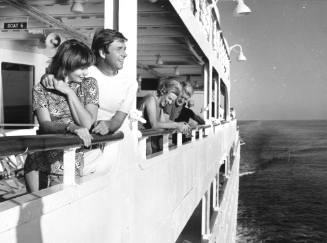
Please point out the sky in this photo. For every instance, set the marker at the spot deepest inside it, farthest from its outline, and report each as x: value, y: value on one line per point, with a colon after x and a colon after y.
x: 285, y: 75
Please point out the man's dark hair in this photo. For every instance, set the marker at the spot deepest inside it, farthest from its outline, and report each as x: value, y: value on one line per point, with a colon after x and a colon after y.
x: 103, y: 38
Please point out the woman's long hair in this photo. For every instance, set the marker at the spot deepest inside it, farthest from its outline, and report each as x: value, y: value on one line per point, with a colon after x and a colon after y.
x: 71, y: 55
x: 169, y: 86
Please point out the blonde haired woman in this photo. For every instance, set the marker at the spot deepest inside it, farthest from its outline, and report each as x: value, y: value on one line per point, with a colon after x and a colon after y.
x: 152, y: 109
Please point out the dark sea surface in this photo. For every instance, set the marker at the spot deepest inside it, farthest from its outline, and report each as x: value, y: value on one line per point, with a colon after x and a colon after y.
x: 283, y: 183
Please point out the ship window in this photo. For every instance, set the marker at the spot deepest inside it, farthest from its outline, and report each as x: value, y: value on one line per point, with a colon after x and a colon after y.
x: 17, y: 84
x: 223, y: 101
x: 215, y: 93
x: 222, y: 181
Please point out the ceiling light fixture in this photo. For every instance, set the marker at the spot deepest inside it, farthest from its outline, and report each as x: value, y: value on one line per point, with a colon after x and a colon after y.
x: 77, y: 6
x: 241, y: 56
x: 159, y: 60
x: 139, y: 78
x: 241, y: 8
x: 177, y: 71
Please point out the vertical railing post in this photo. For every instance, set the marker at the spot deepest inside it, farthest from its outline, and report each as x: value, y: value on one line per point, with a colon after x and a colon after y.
x: 216, y: 91
x: 215, y: 195
x: 69, y: 167
x: 205, y: 91
x: 205, y: 226
x: 210, y: 88
x: 193, y: 135
x: 226, y: 167
x: 179, y: 139
x: 208, y: 130
x: 142, y: 147
x: 165, y: 143
x: 201, y: 133
x: 219, y: 100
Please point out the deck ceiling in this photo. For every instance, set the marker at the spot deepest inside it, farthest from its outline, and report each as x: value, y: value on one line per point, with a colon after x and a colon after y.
x: 48, y: 16
x: 162, y: 33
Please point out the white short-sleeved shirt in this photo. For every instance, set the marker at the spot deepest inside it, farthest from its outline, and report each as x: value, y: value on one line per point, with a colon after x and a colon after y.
x: 116, y: 93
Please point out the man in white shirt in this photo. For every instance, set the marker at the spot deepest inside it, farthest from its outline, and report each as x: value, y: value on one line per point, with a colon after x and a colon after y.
x: 117, y: 94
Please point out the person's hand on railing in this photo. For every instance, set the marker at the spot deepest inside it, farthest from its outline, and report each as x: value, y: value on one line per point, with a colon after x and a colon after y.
x: 183, y: 127
x: 204, y: 109
x: 215, y: 121
x: 101, y: 127
x: 188, y: 133
x: 136, y: 115
x: 193, y: 124
x: 82, y: 132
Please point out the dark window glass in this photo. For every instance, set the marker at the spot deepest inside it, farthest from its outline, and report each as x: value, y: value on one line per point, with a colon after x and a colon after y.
x: 223, y: 100
x: 17, y: 84
x: 149, y: 84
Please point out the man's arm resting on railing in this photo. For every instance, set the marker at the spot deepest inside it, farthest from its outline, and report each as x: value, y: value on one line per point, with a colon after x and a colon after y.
x: 109, y: 126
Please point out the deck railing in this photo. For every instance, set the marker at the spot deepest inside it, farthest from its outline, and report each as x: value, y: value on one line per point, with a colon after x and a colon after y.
x: 69, y: 143
x: 181, y: 176
x: 196, y: 133
x: 15, y: 145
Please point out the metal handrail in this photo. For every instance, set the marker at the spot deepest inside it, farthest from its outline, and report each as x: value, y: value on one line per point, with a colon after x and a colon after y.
x: 156, y: 132
x: 161, y: 131
x: 19, y: 144
x: 18, y: 125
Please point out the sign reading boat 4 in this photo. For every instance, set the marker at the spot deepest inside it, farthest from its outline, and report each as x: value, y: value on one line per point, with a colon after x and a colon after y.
x: 15, y: 26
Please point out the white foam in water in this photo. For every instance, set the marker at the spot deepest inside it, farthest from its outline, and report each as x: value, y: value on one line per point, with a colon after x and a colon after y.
x: 247, y: 173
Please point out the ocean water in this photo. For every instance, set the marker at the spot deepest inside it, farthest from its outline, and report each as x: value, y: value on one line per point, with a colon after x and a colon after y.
x: 283, y: 187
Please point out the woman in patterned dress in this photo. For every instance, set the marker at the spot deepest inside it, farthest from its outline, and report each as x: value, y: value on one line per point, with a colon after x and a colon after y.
x: 70, y: 105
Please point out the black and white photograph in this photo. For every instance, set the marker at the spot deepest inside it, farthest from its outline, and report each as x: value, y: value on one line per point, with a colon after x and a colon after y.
x: 163, y: 121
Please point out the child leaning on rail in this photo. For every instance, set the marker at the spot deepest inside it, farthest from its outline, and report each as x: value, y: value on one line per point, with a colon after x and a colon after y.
x: 69, y: 106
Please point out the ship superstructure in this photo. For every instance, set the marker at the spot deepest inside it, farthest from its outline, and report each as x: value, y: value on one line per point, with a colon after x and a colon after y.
x: 135, y: 197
